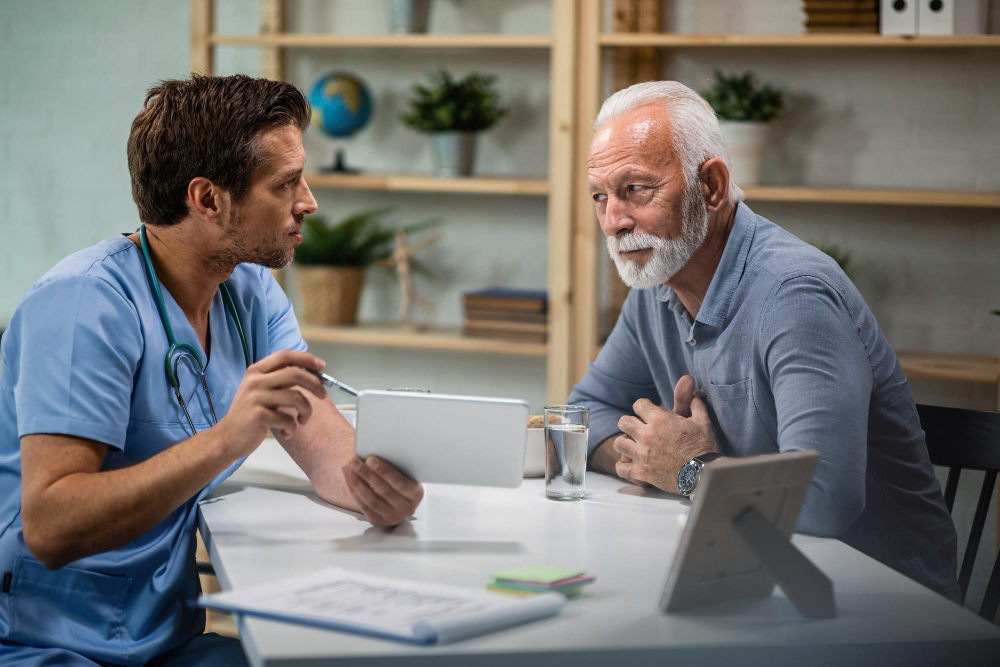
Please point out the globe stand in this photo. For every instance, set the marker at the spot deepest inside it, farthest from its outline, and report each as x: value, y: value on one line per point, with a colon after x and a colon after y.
x: 339, y: 165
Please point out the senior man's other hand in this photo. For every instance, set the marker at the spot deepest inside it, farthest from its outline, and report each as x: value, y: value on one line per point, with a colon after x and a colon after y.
x: 684, y: 393
x: 657, y: 441
x: 386, y: 496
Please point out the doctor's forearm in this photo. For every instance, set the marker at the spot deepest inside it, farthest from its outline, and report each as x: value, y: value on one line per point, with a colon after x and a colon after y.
x: 85, y: 513
x: 321, y: 447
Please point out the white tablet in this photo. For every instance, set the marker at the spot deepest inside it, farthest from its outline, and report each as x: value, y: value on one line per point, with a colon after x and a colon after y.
x: 439, y: 438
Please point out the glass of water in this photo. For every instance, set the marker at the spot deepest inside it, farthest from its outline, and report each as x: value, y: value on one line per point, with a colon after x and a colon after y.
x: 566, y: 430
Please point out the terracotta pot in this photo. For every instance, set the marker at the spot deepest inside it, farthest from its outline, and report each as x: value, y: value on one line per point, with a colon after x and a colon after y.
x: 330, y: 294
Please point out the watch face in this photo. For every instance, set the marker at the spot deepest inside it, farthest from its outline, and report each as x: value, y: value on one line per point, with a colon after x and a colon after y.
x: 687, y: 478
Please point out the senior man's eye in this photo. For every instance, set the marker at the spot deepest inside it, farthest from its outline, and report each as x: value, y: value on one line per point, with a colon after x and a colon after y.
x: 635, y: 188
x: 598, y: 197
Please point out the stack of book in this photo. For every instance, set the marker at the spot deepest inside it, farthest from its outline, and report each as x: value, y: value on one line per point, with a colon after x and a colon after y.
x: 505, y: 313
x: 841, y: 15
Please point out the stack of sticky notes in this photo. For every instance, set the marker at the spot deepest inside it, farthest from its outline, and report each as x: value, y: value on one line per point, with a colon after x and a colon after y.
x: 534, y: 579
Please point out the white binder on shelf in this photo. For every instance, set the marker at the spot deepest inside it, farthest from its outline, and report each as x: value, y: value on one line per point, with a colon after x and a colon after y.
x: 952, y: 17
x: 898, y: 17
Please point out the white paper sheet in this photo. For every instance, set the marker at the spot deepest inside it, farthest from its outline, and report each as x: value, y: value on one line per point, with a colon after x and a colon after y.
x: 338, y: 599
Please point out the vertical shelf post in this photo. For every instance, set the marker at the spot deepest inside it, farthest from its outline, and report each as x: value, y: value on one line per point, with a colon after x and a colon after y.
x: 585, y: 242
x: 202, y: 12
x: 272, y: 21
x: 562, y: 182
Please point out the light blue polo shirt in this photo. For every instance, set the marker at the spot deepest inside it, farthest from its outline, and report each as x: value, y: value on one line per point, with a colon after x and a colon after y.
x: 83, y: 356
x: 789, y: 356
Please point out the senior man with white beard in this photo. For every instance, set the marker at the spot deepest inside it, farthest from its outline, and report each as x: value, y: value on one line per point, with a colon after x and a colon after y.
x: 739, y: 339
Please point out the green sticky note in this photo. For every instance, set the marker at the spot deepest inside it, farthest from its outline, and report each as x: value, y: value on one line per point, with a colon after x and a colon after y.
x: 542, y: 574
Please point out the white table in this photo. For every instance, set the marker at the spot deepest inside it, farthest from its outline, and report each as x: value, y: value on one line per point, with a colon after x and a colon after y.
x: 624, y: 536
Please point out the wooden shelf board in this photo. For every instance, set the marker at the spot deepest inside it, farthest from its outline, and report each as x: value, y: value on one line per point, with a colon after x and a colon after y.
x: 918, y: 366
x: 925, y: 366
x: 851, y: 195
x: 387, y: 41
x: 419, y: 183
x: 433, y: 338
x: 835, y: 40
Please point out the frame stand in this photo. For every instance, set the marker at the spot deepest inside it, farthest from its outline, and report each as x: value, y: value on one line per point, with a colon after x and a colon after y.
x: 806, y: 586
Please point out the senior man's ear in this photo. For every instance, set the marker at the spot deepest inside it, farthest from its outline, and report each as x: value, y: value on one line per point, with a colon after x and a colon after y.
x: 714, y: 175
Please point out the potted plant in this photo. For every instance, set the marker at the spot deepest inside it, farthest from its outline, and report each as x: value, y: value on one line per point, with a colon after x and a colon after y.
x: 745, y: 110
x: 332, y: 259
x: 407, y: 16
x: 453, y: 112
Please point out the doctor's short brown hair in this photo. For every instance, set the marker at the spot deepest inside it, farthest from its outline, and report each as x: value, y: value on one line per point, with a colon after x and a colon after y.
x: 204, y: 126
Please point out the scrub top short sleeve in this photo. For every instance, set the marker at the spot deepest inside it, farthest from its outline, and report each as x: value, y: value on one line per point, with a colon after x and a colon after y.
x: 80, y: 346
x: 282, y: 327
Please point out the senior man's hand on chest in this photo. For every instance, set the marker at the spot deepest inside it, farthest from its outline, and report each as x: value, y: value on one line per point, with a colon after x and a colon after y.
x: 657, y: 441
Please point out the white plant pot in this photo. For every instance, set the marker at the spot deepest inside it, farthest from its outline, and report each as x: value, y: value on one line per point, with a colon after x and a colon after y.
x: 746, y: 141
x: 454, y: 153
x: 534, y: 453
x: 407, y: 17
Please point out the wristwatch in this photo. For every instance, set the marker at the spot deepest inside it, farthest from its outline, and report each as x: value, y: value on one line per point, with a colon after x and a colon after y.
x: 690, y: 473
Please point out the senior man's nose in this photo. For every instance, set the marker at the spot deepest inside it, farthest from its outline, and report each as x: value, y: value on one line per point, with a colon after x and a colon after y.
x: 617, y: 218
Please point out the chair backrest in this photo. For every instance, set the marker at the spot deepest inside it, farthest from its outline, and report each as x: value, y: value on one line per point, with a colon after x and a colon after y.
x: 967, y: 439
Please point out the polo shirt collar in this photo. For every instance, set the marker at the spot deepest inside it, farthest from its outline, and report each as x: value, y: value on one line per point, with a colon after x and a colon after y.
x: 715, y: 307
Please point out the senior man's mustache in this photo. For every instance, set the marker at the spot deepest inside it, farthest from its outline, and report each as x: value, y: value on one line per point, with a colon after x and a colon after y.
x: 632, y: 241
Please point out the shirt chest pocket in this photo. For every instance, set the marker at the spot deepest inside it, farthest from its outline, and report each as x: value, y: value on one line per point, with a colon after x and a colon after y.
x: 737, y: 427
x: 76, y: 609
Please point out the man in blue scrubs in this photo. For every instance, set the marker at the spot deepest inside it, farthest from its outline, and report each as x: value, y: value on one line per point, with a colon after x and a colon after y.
x: 101, y: 470
x: 783, y: 349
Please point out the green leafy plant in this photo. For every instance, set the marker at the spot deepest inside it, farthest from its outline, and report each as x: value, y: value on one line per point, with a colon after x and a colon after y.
x: 840, y: 255
x: 739, y: 97
x: 448, y: 105
x: 358, y: 240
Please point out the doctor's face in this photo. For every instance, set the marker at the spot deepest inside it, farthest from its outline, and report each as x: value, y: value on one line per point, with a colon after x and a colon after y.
x: 653, y: 220
x: 266, y: 224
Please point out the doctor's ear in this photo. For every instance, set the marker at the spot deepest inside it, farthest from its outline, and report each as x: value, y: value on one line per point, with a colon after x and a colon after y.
x: 206, y: 200
x: 714, y: 177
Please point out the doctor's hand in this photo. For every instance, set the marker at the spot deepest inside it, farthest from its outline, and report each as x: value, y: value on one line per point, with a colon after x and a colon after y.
x: 386, y: 496
x: 657, y: 442
x: 270, y: 396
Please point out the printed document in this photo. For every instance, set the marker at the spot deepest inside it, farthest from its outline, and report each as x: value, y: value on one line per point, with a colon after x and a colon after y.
x: 423, y: 613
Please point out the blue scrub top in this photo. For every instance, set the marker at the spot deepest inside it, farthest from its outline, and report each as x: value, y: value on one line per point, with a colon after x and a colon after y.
x: 83, y: 356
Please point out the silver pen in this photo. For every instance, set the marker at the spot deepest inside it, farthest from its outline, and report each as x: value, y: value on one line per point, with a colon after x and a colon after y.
x: 331, y: 381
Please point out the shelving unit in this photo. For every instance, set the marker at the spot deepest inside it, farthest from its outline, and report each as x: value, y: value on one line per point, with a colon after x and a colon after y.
x: 980, y: 370
x: 500, y: 185
x: 386, y: 41
x: 593, y: 41
x: 414, y: 338
x: 273, y: 41
x: 886, y: 196
x: 813, y: 40
x: 575, y: 48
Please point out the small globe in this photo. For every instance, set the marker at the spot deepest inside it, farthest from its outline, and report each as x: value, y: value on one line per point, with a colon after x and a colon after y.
x: 341, y: 104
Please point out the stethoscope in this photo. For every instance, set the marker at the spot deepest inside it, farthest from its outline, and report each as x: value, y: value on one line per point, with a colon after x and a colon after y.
x: 179, y: 350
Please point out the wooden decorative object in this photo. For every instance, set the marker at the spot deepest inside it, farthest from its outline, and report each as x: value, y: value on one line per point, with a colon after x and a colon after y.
x: 400, y: 259
x: 330, y: 294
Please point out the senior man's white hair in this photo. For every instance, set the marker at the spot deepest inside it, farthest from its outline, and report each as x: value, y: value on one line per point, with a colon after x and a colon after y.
x: 697, y: 136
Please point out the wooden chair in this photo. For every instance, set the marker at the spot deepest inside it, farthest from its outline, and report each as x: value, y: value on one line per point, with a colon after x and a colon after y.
x: 967, y: 439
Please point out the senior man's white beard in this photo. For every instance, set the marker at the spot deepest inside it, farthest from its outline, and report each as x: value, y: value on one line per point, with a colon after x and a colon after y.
x: 669, y: 255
